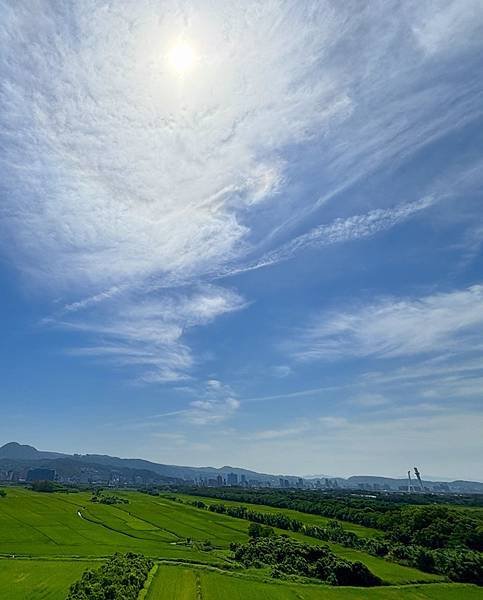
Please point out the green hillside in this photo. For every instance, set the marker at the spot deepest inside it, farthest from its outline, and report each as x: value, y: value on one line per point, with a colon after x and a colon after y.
x: 54, y: 537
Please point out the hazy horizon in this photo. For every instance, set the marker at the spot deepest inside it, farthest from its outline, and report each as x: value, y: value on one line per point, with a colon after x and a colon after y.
x: 220, y: 465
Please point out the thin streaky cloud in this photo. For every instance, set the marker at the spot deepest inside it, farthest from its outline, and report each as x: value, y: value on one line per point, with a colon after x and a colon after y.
x: 297, y: 393
x: 341, y: 230
x: 396, y: 327
x: 147, y: 334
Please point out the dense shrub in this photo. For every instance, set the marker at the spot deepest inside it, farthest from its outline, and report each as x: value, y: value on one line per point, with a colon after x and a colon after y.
x: 255, y: 530
x: 434, y: 527
x: 44, y: 486
x: 149, y: 491
x: 459, y: 565
x: 290, y: 557
x: 101, y: 498
x: 121, y: 578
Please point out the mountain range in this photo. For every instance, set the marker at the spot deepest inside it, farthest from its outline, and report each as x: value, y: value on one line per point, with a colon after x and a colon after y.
x: 14, y: 454
x: 15, y: 457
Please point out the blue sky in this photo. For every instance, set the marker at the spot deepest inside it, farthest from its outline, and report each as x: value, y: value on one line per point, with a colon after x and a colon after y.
x: 270, y: 259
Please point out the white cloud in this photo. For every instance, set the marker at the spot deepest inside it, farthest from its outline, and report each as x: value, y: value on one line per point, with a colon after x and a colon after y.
x: 281, y: 370
x: 146, y: 333
x: 116, y: 171
x: 92, y: 300
x: 448, y: 26
x: 216, y: 403
x: 265, y: 181
x: 213, y: 403
x: 120, y: 181
x: 347, y: 229
x: 284, y: 432
x: 393, y: 327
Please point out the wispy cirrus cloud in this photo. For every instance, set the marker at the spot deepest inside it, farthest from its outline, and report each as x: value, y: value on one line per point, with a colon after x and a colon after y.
x: 395, y: 327
x: 132, y: 172
x: 146, y: 334
x: 437, y: 30
x: 215, y: 403
x: 115, y: 170
x: 355, y: 227
x: 446, y: 365
x: 121, y: 180
x: 284, y: 432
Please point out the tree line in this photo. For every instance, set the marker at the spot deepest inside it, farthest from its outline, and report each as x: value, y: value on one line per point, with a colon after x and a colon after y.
x: 458, y: 563
x: 429, y: 525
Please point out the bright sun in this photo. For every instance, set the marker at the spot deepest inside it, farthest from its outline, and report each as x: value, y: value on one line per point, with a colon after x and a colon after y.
x: 182, y: 57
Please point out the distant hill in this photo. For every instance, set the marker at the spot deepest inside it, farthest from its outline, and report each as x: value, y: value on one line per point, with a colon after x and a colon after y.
x: 20, y: 457
x: 176, y: 471
x: 23, y: 452
x: 14, y: 455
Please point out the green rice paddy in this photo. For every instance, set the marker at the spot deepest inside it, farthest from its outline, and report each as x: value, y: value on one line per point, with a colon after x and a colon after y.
x: 48, y: 540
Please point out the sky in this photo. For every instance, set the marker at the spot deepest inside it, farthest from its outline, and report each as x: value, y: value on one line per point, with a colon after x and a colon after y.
x: 244, y: 233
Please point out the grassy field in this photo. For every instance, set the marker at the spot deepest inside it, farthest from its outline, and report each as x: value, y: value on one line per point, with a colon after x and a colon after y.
x: 196, y: 584
x: 54, y: 537
x: 178, y: 583
x: 359, y: 530
x: 50, y: 580
x: 36, y: 524
x: 38, y: 579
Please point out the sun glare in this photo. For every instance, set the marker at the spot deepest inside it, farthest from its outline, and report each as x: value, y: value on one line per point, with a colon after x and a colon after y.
x: 182, y: 58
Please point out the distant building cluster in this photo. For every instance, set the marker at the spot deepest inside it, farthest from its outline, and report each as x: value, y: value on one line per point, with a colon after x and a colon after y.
x: 231, y: 480
x: 41, y: 475
x: 10, y: 475
x: 234, y: 480
x: 86, y: 476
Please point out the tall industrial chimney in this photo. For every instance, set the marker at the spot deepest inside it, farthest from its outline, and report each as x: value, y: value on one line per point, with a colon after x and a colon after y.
x: 416, y: 472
